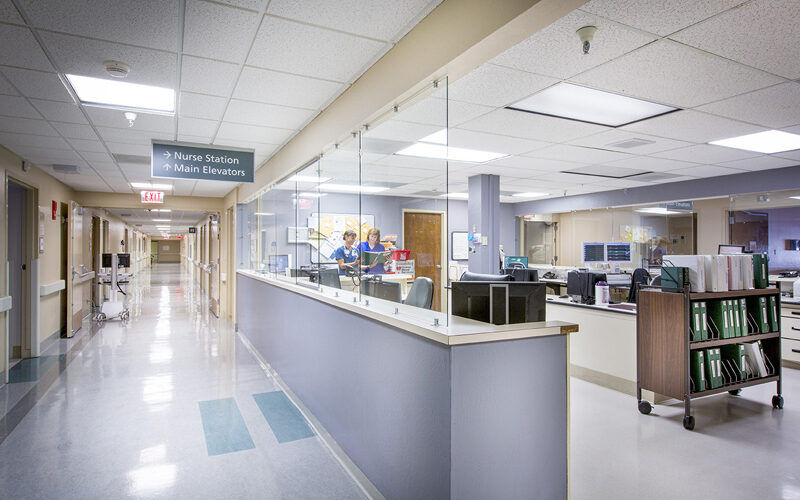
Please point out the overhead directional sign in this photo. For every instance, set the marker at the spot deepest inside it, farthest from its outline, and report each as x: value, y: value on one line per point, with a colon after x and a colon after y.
x: 186, y: 161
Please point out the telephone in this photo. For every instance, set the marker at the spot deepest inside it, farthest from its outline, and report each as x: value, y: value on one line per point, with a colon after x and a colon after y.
x: 789, y: 274
x: 549, y: 276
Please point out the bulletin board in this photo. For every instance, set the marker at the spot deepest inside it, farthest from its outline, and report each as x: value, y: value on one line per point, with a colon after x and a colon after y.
x: 326, y: 233
x: 459, y: 245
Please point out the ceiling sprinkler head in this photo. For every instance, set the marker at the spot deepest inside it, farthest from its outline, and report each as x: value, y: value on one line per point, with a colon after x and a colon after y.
x: 586, y: 34
x: 130, y: 116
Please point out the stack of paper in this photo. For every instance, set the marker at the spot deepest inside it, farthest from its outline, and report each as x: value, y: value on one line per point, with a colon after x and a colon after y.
x: 755, y: 359
x: 716, y: 273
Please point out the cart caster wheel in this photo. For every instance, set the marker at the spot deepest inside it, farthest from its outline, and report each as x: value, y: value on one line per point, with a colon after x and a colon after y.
x: 688, y: 423
x: 777, y: 402
x: 645, y: 407
x: 735, y: 392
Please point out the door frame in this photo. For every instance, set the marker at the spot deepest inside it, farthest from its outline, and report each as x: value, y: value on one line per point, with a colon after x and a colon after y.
x: 29, y: 338
x: 445, y: 262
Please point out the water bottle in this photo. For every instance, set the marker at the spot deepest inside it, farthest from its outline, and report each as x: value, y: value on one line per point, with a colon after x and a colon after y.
x: 602, y: 295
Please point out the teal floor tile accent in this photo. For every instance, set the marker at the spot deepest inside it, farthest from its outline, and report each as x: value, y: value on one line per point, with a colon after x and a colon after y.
x: 285, y: 420
x: 224, y: 427
x: 31, y: 369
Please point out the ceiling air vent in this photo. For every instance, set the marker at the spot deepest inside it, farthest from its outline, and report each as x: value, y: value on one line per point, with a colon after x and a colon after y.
x: 631, y: 143
x: 66, y: 169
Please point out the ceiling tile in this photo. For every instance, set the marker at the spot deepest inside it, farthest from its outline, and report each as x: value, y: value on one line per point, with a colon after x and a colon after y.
x: 470, y: 139
x: 245, y: 4
x: 82, y: 145
x: 434, y: 111
x: 677, y: 75
x: 772, y: 107
x: 496, y: 86
x: 97, y: 156
x: 59, y: 111
x: 381, y: 19
x: 8, y: 13
x: 792, y: 155
x: 75, y: 131
x: 771, y: 29
x: 197, y: 139
x: 218, y: 32
x: 26, y: 126
x: 535, y: 164
x: 81, y: 56
x: 18, y: 107
x: 323, y: 53
x: 37, y: 84
x: 21, y: 49
x: 765, y: 162
x: 282, y: 89
x: 651, y: 164
x: 577, y: 154
x: 197, y: 126
x: 202, y: 106
x: 39, y: 141
x: 532, y: 126
x: 400, y: 131
x: 5, y: 86
x: 706, y: 153
x: 207, y: 77
x: 621, y: 140
x: 140, y: 149
x: 131, y: 136
x: 214, y: 189
x: 663, y: 17
x: 264, y: 135
x: 706, y: 171
x: 267, y: 115
x: 692, y: 126
x: 103, y: 117
x: 154, y: 24
x: 556, y: 50
x: 494, y: 169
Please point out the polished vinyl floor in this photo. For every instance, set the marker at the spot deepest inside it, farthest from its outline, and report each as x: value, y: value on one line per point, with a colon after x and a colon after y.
x: 173, y: 405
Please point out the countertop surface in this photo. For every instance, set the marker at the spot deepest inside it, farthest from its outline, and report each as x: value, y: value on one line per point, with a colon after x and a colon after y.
x: 441, y: 327
x: 629, y: 309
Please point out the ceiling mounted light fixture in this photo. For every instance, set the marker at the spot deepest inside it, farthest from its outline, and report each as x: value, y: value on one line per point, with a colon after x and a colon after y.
x: 771, y: 141
x: 147, y: 185
x: 442, y: 152
x: 352, y: 188
x: 457, y: 196
x: 530, y: 195
x: 657, y: 211
x: 307, y: 178
x: 573, y: 102
x: 123, y: 95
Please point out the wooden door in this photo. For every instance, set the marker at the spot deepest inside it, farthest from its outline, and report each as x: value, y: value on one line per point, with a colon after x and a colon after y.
x: 422, y: 234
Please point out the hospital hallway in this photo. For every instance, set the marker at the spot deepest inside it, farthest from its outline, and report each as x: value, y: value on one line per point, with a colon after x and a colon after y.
x: 170, y: 404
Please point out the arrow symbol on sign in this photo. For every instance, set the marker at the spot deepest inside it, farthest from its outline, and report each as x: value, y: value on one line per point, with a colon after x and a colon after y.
x: 166, y: 154
x: 167, y: 166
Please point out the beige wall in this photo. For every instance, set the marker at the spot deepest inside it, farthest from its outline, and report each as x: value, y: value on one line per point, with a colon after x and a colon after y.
x: 712, y: 224
x: 169, y: 251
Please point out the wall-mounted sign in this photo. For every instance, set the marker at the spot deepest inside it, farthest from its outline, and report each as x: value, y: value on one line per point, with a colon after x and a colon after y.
x: 174, y: 160
x: 192, y: 230
x: 686, y: 206
x: 152, y: 197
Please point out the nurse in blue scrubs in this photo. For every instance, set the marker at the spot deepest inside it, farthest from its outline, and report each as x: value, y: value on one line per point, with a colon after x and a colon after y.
x: 347, y: 254
x: 373, y: 245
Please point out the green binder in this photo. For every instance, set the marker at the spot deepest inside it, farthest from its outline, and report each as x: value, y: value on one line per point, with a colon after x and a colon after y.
x: 673, y: 278
x: 698, y: 324
x: 735, y: 354
x: 703, y: 319
x: 716, y: 314
x: 736, y: 323
x: 713, y: 368
x: 743, y: 316
x: 698, y: 372
x: 772, y: 312
x: 760, y: 270
x: 757, y: 308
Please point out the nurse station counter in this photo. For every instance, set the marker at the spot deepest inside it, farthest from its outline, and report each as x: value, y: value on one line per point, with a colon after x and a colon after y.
x: 426, y: 405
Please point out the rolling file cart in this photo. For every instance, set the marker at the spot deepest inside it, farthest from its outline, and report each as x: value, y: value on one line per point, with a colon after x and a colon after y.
x: 670, y: 334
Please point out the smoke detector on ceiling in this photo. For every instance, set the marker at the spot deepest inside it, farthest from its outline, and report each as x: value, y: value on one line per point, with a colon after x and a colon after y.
x: 117, y: 69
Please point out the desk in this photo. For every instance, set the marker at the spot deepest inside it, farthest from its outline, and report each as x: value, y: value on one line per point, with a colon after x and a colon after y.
x: 785, y: 284
x: 554, y: 284
x: 403, y: 279
x: 428, y: 393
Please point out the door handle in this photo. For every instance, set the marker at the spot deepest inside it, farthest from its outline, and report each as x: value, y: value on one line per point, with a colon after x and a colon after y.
x: 796, y: 350
x: 438, y: 266
x: 23, y: 267
x: 796, y: 329
x: 796, y: 313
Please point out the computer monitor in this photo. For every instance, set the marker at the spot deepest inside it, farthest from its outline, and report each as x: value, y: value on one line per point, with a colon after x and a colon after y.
x: 618, y: 252
x: 386, y: 290
x: 123, y: 260
x: 500, y: 303
x: 106, y: 260
x: 594, y: 252
x: 278, y: 263
x: 468, y: 276
x: 580, y: 285
x: 730, y: 249
x: 329, y: 277
x: 520, y: 274
x: 515, y: 260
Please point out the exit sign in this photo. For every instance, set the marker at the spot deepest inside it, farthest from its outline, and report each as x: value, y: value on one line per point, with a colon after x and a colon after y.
x: 152, y: 197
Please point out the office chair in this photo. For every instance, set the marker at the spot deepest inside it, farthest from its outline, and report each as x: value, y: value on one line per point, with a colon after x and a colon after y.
x: 516, y: 265
x: 656, y: 281
x: 640, y: 277
x: 421, y: 293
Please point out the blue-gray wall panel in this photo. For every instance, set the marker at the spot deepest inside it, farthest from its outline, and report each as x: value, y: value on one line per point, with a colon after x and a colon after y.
x: 505, y: 414
x: 382, y: 393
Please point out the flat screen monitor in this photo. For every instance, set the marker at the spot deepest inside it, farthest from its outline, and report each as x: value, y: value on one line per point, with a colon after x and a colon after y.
x: 515, y: 260
x: 123, y: 260
x: 386, y: 290
x: 594, y: 252
x: 106, y: 260
x: 731, y: 249
x: 520, y: 274
x: 499, y: 302
x: 618, y: 252
x: 330, y: 277
x: 468, y: 276
x: 278, y: 263
x: 580, y: 285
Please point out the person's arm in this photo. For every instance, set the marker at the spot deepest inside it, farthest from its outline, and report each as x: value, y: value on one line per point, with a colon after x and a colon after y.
x: 342, y: 265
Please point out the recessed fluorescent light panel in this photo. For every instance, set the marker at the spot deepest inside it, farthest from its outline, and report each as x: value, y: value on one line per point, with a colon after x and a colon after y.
x: 307, y: 178
x: 458, y: 196
x: 308, y: 194
x: 441, y: 152
x: 530, y: 195
x: 264, y: 214
x: 565, y: 100
x: 656, y: 211
x: 162, y: 220
x: 352, y: 188
x: 439, y: 137
x: 111, y: 93
x: 147, y: 185
x: 795, y: 197
x: 771, y: 141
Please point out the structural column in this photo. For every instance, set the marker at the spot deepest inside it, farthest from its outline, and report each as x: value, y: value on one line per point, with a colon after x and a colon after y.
x: 483, y: 215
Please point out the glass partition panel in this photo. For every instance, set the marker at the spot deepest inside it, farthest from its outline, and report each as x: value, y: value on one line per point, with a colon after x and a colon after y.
x: 277, y: 215
x: 254, y: 235
x: 305, y: 234
x: 405, y: 203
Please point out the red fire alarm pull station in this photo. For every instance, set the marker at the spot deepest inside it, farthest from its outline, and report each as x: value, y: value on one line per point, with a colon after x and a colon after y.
x: 55, y: 209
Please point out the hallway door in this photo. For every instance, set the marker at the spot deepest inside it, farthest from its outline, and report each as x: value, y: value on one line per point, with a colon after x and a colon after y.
x: 422, y: 234
x: 213, y: 264
x: 78, y: 290
x: 19, y: 266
